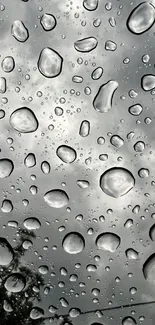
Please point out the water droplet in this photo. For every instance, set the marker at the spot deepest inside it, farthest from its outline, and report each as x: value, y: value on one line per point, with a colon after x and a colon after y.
x: 110, y: 46
x: 66, y: 154
x: 148, y: 82
x: 141, y: 18
x: 2, y: 113
x: 97, y: 73
x: 63, y: 302
x: 50, y: 63
x: 19, y: 31
x: 48, y: 22
x: 131, y: 254
x: 27, y: 244
x: 97, y: 22
x: 86, y: 44
x: 108, y: 242
x: 58, y: 111
x: 135, y: 109
x: 45, y: 167
x: 13, y: 224
x: 7, y: 206
x: 90, y: 4
x: 36, y: 313
x: 8, y: 64
x: 2, y: 85
x: 30, y: 160
x: 82, y: 184
x: 73, y: 243
x: 32, y: 223
x: 149, y: 269
x: 128, y: 223
x: 33, y: 190
x: 112, y: 21
x: 152, y: 233
x: 143, y: 173
x: 15, y: 282
x: 43, y: 269
x: 6, y: 167
x: 74, y: 312
x: 91, y: 268
x: 103, y: 99
x: 6, y: 252
x: 24, y: 120
x: 145, y: 58
x: 128, y: 321
x: 139, y: 146
x: 117, y: 141
x: 117, y: 182
x: 77, y: 79
x: 84, y: 128
x: 56, y: 198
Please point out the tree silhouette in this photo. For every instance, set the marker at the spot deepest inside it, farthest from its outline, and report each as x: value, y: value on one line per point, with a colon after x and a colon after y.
x: 15, y: 307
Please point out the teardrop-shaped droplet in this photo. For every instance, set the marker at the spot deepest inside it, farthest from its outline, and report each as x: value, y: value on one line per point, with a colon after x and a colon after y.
x: 86, y: 44
x: 82, y: 184
x: 141, y: 18
x: 108, y: 242
x: 149, y: 269
x: 6, y: 167
x: 19, y: 31
x: 56, y: 198
x: 73, y: 243
x: 7, y: 206
x: 15, y: 282
x: 32, y: 223
x: 116, y: 182
x: 110, y: 46
x: 148, y: 82
x: 84, y: 128
x: 117, y: 141
x: 103, y: 99
x: 135, y: 109
x: 90, y: 4
x: 129, y: 321
x: 66, y: 154
x: 45, y: 167
x: 97, y: 73
x: 8, y: 64
x: 30, y: 160
x: 24, y: 120
x: 50, y: 63
x: 36, y: 313
x: 6, y: 252
x: 152, y: 233
x: 48, y: 22
x: 131, y: 254
x: 2, y: 85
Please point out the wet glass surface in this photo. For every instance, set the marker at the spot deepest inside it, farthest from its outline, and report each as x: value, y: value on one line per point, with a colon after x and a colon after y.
x: 77, y: 162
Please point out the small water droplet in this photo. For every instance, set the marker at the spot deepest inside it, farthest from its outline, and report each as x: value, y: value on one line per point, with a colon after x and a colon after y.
x: 97, y: 73
x: 30, y: 160
x: 131, y: 254
x: 90, y: 4
x: 32, y: 223
x: 108, y: 242
x: 148, y: 82
x: 56, y: 198
x: 73, y: 243
x: 117, y: 141
x: 103, y: 99
x: 48, y: 22
x: 45, y: 167
x: 8, y: 64
x: 84, y: 128
x: 6, y: 252
x: 50, y: 63
x: 110, y: 46
x: 7, y: 206
x: 86, y: 44
x: 19, y: 31
x: 66, y: 154
x: 6, y: 167
x: 135, y: 109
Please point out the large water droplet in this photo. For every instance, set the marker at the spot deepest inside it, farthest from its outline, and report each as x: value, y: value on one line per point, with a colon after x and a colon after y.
x: 73, y: 243
x: 50, y: 63
x: 66, y: 154
x: 84, y: 128
x: 48, y: 22
x: 149, y: 269
x: 110, y: 46
x: 30, y: 160
x: 24, y: 120
x: 7, y: 206
x: 90, y: 4
x: 86, y: 44
x: 19, y: 31
x: 2, y: 85
x: 56, y: 198
x: 128, y: 321
x: 139, y: 146
x: 97, y: 73
x: 135, y: 109
x: 6, y: 252
x: 36, y: 313
x: 141, y: 18
x: 148, y: 82
x: 103, y: 99
x: 32, y: 223
x: 15, y: 282
x: 8, y: 64
x: 6, y: 167
x: 108, y: 242
x: 116, y: 182
x: 131, y: 254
